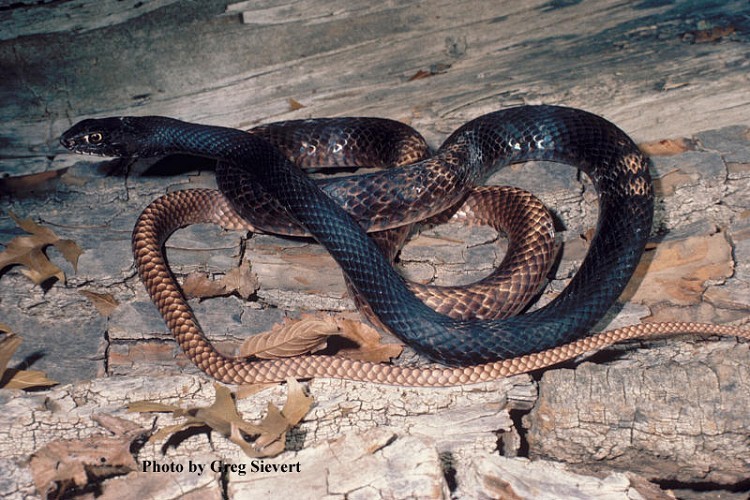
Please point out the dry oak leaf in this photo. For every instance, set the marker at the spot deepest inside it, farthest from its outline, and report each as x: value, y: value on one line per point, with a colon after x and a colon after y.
x: 104, y: 303
x: 66, y: 464
x: 197, y: 285
x: 268, y: 437
x: 369, y: 343
x: 240, y: 279
x: 10, y: 378
x: 28, y: 251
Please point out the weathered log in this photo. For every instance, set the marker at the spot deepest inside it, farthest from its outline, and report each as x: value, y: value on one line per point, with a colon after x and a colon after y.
x: 670, y: 410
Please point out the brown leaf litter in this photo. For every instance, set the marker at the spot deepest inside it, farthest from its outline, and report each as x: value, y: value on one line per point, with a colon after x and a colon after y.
x: 11, y: 378
x: 311, y: 333
x: 265, y: 439
x: 65, y: 465
x: 29, y: 252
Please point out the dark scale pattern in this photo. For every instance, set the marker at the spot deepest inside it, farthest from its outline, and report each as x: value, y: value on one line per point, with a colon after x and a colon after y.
x: 584, y: 140
x: 619, y: 172
x: 345, y: 142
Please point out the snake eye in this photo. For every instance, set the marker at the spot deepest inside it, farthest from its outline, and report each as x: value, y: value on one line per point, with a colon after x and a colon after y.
x: 94, y: 138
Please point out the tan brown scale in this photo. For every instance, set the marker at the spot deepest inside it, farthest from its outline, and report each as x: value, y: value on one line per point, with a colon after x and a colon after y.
x: 181, y: 208
x: 530, y: 230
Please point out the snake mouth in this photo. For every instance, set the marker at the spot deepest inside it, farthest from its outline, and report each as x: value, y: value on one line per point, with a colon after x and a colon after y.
x: 74, y: 147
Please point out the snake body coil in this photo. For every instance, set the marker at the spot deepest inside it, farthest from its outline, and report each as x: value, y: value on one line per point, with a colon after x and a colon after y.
x: 337, y: 216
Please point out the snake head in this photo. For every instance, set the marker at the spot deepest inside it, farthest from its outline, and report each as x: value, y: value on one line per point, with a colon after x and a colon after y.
x: 103, y: 137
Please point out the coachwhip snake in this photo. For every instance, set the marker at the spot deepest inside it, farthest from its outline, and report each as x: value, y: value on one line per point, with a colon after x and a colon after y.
x: 252, y: 170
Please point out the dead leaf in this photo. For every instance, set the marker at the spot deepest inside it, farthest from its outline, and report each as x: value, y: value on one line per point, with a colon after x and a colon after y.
x: 4, y: 328
x: 294, y: 104
x: 666, y: 147
x: 28, y: 251
x: 369, y: 343
x: 272, y: 441
x: 10, y: 378
x: 105, y: 303
x: 241, y: 280
x: 297, y: 403
x: 310, y: 334
x: 269, y: 437
x: 33, y: 184
x: 27, y: 379
x: 198, y: 286
x: 292, y: 338
x: 220, y: 415
x: 65, y: 464
x: 8, y: 345
x: 164, y: 433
